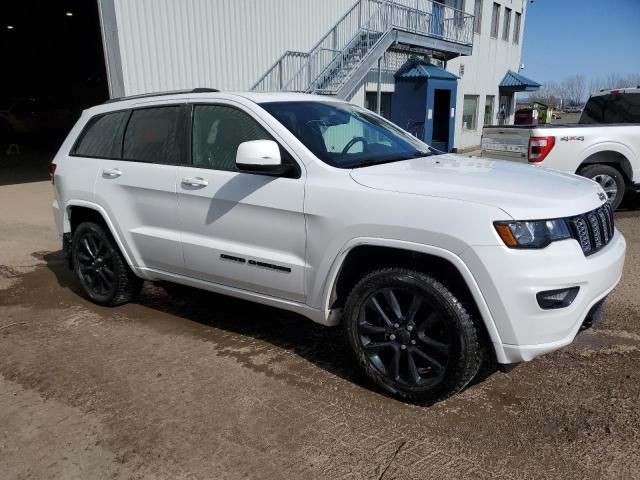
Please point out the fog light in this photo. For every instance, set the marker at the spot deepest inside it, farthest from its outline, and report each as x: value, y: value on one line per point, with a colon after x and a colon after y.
x: 561, y: 298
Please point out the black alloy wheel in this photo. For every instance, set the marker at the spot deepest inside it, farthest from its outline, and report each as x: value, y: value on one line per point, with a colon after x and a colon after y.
x: 411, y: 335
x: 404, y: 336
x: 96, y: 264
x: 100, y: 266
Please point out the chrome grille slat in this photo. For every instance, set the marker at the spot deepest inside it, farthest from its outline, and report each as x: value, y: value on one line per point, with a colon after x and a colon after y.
x: 593, y: 230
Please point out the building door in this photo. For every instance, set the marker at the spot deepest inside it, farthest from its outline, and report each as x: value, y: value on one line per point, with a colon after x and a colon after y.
x: 504, y: 111
x: 441, y: 102
x: 437, y: 17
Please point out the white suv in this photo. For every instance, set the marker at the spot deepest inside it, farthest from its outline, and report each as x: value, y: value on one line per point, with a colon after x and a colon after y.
x: 435, y: 265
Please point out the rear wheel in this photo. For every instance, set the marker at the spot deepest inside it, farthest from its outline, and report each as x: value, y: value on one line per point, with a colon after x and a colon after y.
x: 411, y: 335
x: 609, y: 178
x: 99, y: 265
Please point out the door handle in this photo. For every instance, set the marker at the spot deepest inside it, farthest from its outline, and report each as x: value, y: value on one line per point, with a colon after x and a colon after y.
x: 195, y: 182
x: 111, y: 172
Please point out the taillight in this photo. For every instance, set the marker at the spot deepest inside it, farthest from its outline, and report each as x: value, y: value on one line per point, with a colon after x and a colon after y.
x: 52, y: 170
x: 539, y: 148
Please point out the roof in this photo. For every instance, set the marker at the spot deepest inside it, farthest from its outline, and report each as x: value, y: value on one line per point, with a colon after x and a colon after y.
x: 418, y: 68
x: 514, y: 82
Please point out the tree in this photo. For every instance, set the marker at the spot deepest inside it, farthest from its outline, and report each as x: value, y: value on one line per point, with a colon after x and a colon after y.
x: 576, y: 88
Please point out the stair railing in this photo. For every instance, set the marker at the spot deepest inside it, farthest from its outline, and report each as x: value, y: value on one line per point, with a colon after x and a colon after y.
x: 357, y: 31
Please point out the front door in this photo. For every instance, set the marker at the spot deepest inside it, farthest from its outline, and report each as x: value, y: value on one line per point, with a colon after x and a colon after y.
x: 441, y: 102
x: 238, y: 229
x: 138, y: 192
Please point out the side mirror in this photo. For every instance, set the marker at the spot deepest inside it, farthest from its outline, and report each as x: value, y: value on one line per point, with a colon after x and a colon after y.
x: 260, y: 156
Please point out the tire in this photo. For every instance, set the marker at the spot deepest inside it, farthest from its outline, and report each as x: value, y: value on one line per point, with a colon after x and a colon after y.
x: 609, y: 178
x: 426, y: 349
x: 100, y: 267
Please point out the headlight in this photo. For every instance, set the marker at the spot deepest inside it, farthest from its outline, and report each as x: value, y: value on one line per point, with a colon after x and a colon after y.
x: 535, y: 234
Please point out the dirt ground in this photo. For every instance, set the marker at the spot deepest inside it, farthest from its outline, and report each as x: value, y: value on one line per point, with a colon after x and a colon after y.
x: 200, y: 386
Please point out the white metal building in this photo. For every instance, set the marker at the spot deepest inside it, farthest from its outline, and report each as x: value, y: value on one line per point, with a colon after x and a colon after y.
x: 347, y: 48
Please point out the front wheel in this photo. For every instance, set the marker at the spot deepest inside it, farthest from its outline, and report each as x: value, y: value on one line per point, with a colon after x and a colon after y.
x: 610, y: 179
x: 411, y: 335
x: 100, y: 266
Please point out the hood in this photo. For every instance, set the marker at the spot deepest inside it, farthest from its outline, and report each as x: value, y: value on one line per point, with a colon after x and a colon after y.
x: 525, y: 192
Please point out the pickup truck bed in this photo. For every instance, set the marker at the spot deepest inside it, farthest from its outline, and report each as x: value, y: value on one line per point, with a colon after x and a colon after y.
x: 607, y: 152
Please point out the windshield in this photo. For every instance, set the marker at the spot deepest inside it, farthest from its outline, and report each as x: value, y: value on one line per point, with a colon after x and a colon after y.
x: 344, y: 135
x: 612, y: 108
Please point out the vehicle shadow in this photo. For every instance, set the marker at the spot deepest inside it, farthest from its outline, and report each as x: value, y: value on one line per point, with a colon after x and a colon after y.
x: 321, y: 346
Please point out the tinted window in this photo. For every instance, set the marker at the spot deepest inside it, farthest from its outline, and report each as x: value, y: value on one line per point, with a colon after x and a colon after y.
x: 620, y: 108
x: 346, y: 136
x: 153, y: 135
x: 217, y: 132
x: 103, y: 136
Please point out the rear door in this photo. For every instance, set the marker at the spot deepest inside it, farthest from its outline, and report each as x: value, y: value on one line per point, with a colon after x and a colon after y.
x: 138, y: 191
x: 239, y: 229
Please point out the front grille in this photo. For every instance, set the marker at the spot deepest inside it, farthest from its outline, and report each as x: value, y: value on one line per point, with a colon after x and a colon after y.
x: 593, y: 230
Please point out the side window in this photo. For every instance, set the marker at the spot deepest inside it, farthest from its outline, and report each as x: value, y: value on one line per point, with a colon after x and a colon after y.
x: 217, y: 132
x: 102, y: 136
x: 153, y: 135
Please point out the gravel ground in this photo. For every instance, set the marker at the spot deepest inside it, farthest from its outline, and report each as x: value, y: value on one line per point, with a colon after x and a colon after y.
x: 202, y: 386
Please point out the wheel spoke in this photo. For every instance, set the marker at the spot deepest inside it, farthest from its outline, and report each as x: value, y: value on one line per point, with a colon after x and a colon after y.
x: 376, y: 346
x: 427, y: 322
x: 381, y: 312
x: 393, y: 302
x: 108, y: 271
x: 395, y: 365
x: 371, y: 329
x: 439, y: 347
x: 433, y: 363
x: 416, y: 303
x: 88, y: 248
x: 413, y: 369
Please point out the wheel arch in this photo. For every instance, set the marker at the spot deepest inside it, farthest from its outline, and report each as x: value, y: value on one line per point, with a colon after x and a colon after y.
x: 78, y: 211
x: 613, y: 158
x: 362, y: 256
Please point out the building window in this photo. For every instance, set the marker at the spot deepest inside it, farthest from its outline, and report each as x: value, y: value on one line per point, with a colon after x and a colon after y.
x: 470, y: 112
x: 371, y: 100
x: 516, y: 28
x: 495, y: 20
x: 488, y: 110
x: 506, y: 25
x: 477, y: 17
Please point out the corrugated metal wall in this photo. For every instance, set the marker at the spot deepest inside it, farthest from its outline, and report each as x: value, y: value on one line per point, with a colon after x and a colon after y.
x: 226, y: 44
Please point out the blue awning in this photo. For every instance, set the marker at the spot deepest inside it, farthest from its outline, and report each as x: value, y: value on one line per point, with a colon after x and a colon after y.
x: 514, y: 82
x: 418, y: 68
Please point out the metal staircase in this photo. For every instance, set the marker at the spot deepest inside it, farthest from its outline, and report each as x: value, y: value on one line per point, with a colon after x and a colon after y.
x: 338, y: 63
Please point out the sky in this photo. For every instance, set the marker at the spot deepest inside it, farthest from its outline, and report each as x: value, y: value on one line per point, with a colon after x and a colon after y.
x: 590, y: 37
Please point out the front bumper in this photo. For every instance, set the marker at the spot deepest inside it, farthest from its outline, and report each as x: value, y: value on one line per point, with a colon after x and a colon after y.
x: 509, y: 280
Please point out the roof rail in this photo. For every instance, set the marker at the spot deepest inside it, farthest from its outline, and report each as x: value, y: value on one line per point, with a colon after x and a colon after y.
x: 159, y: 94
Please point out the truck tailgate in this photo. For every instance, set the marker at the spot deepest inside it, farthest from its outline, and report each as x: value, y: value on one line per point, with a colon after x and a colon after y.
x: 510, y: 143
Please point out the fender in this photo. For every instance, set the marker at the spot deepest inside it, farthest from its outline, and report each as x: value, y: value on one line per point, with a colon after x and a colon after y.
x: 454, y: 259
x: 609, y: 146
x: 105, y: 217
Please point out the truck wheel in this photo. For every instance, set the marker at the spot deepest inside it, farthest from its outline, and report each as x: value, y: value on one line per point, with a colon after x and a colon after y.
x: 411, y: 335
x: 102, y: 270
x: 609, y: 178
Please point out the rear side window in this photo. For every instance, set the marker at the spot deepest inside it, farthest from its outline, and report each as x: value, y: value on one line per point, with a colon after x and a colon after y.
x: 102, y: 138
x: 153, y: 135
x: 620, y: 108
